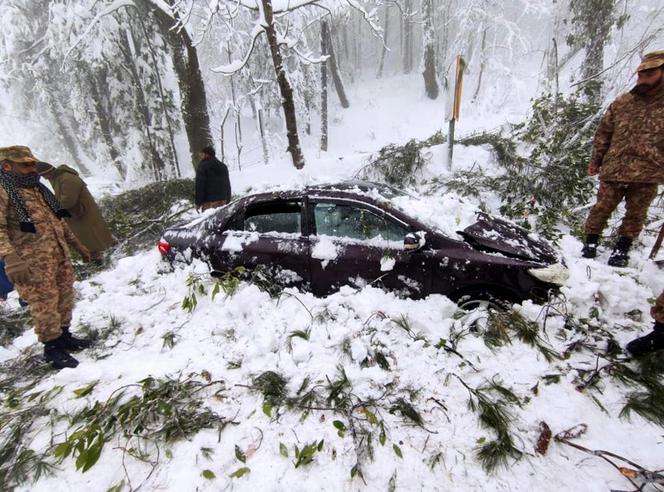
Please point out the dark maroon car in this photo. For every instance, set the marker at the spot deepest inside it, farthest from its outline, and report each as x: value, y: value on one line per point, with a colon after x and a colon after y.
x: 357, y: 233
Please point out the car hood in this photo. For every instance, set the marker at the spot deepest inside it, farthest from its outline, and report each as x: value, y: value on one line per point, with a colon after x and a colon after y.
x: 500, y: 236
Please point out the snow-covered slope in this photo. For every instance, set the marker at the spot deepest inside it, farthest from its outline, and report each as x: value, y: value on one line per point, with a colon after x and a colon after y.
x: 391, y: 387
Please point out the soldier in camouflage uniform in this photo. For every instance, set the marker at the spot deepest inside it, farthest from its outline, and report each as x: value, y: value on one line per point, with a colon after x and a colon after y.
x: 34, y: 244
x: 628, y: 154
x: 655, y: 339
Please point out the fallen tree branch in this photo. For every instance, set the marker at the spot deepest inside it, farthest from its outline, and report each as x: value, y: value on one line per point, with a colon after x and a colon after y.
x: 631, y: 474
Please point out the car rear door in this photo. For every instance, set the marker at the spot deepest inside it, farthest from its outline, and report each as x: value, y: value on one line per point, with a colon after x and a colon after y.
x: 267, y: 234
x: 355, y: 243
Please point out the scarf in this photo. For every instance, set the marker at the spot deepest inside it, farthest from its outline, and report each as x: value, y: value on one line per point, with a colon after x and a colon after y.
x: 11, y: 182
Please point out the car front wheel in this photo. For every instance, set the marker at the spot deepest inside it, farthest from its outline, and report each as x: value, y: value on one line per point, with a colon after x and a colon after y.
x: 483, y: 299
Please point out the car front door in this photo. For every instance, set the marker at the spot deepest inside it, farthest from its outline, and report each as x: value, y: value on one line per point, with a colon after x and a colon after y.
x: 267, y: 235
x: 358, y: 244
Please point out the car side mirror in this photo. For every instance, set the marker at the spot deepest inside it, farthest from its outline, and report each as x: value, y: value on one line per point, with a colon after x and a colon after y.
x: 413, y: 242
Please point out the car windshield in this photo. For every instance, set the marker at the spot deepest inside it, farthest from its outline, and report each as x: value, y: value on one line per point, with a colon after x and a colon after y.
x: 447, y: 214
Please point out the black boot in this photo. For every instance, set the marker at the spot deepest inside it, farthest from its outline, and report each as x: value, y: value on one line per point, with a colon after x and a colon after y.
x: 72, y: 343
x: 590, y: 246
x: 620, y: 254
x: 649, y: 343
x: 56, y: 355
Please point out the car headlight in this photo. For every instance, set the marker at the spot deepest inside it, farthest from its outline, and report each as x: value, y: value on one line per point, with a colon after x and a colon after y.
x: 552, y: 274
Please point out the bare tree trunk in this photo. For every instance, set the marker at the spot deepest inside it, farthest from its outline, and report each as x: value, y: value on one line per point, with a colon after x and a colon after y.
x: 160, y: 87
x: 429, y: 74
x: 222, y: 132
x: 261, y: 129
x: 323, y: 91
x: 346, y: 52
x: 332, y: 63
x: 285, y: 88
x: 103, y: 119
x: 66, y: 136
x: 358, y: 45
x: 443, y: 41
x: 556, y: 85
x: 383, y: 51
x: 193, y: 101
x: 482, y: 64
x: 408, y: 38
x: 307, y: 97
x: 238, y: 139
x: 156, y: 162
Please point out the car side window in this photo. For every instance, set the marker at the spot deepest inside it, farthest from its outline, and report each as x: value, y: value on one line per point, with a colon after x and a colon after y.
x: 279, y: 217
x: 339, y: 220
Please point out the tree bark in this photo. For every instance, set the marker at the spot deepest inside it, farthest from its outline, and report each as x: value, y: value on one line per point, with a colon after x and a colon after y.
x: 193, y: 100
x: 103, y: 118
x: 443, y: 41
x: 285, y: 88
x: 344, y: 56
x: 334, y: 69
x: 66, y: 135
x: 482, y: 64
x: 429, y: 73
x: 383, y: 51
x: 594, y: 20
x: 358, y: 44
x: 261, y: 129
x: 323, y: 91
x: 408, y: 38
x: 169, y: 127
x: 156, y: 161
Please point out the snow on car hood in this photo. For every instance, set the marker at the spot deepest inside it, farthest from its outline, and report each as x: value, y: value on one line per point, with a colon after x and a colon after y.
x: 451, y: 215
x: 494, y: 234
x: 447, y: 213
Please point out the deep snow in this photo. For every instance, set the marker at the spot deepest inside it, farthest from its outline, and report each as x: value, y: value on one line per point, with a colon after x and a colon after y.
x: 249, y: 332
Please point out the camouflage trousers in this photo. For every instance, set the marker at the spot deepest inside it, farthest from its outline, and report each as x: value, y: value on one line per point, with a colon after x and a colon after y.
x: 50, y: 294
x: 657, y: 311
x: 638, y: 197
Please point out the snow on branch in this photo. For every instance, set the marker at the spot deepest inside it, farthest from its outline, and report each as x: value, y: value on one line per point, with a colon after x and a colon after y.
x: 370, y: 18
x: 278, y: 6
x: 163, y: 6
x: 308, y: 58
x: 238, y: 64
x: 117, y: 5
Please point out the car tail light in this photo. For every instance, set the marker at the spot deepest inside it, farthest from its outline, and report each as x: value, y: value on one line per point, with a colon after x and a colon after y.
x: 163, y: 247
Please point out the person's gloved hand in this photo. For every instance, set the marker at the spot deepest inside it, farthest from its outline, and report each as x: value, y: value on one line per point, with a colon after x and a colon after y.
x: 17, y: 269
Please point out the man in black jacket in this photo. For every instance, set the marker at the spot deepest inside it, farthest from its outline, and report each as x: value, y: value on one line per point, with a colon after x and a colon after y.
x: 213, y: 187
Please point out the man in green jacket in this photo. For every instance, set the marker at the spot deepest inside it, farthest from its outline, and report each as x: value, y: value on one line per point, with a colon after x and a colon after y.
x: 628, y: 155
x: 86, y: 220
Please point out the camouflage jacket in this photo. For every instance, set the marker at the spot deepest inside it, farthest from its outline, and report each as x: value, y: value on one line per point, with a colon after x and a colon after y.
x: 629, y: 143
x: 53, y: 234
x: 657, y: 311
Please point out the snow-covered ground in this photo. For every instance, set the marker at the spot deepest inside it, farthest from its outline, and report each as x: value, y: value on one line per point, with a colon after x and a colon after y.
x: 235, y: 338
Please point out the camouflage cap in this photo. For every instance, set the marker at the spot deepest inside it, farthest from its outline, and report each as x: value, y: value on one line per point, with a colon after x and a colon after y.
x: 654, y: 59
x: 17, y: 153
